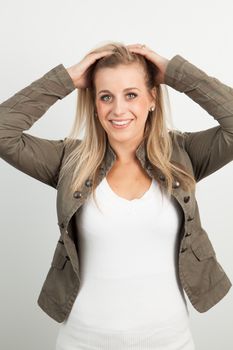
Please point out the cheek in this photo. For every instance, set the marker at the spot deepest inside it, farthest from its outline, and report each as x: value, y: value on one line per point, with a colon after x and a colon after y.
x: 102, y: 109
x: 141, y: 111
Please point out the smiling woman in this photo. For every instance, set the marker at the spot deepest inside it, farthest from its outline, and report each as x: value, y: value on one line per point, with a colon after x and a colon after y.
x: 121, y: 266
x: 122, y: 85
x: 125, y: 109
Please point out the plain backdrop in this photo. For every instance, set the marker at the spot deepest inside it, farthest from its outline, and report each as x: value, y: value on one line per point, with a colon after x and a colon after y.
x: 35, y: 37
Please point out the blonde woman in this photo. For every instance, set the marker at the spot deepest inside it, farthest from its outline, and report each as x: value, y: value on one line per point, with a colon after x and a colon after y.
x: 131, y: 241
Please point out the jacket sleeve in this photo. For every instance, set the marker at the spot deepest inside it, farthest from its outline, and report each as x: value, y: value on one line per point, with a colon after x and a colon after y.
x: 36, y: 157
x: 209, y: 149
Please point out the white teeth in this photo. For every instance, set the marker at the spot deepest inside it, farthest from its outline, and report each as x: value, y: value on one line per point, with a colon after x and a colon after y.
x: 121, y: 123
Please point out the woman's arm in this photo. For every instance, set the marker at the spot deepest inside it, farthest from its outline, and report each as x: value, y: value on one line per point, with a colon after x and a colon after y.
x: 37, y: 157
x: 210, y: 149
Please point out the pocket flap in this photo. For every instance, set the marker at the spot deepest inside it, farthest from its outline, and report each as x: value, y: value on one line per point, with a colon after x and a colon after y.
x: 60, y: 256
x: 59, y: 261
x: 202, y: 247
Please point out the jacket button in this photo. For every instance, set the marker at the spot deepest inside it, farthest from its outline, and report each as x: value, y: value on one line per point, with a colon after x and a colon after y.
x: 88, y: 183
x: 162, y: 177
x: 176, y: 184
x: 183, y: 250
x: 186, y: 199
x: 77, y: 194
x: 102, y: 170
x: 188, y: 234
x: 62, y: 225
x: 190, y: 218
x: 149, y: 167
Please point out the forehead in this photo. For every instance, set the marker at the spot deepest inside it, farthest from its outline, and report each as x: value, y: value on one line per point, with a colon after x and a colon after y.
x: 121, y: 76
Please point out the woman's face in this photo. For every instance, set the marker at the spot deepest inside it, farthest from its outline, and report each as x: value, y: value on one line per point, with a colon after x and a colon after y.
x: 121, y: 94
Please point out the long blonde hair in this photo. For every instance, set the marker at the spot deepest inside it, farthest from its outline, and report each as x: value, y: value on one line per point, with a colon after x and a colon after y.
x: 88, y: 154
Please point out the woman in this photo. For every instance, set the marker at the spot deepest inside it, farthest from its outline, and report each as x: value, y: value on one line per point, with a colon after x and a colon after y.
x: 126, y: 254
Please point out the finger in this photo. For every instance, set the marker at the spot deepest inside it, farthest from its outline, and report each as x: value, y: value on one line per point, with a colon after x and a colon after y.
x: 102, y: 53
x: 105, y: 52
x: 141, y: 47
x: 93, y: 56
x: 134, y: 45
x: 138, y: 50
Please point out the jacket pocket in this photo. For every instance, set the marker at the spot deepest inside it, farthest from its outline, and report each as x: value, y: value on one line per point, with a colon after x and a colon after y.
x: 60, y: 256
x: 202, y: 247
x: 59, y: 262
x: 200, y: 268
x: 61, y: 280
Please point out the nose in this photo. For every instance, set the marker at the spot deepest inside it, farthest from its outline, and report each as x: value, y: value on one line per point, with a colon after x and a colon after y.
x: 119, y: 107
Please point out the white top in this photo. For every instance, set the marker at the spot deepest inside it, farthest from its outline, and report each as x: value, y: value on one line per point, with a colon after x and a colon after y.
x: 130, y: 294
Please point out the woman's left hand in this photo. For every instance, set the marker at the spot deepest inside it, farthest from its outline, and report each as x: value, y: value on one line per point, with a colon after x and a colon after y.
x: 160, y: 61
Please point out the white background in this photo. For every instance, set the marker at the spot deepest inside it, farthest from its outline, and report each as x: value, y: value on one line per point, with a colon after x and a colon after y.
x: 35, y: 37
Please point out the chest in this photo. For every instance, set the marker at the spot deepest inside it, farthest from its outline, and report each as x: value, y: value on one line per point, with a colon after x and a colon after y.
x: 128, y: 181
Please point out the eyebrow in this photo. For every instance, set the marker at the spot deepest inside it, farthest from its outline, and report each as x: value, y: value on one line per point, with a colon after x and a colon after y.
x: 130, y: 88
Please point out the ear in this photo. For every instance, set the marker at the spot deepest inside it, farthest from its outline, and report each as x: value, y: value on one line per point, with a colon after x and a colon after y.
x: 154, y: 95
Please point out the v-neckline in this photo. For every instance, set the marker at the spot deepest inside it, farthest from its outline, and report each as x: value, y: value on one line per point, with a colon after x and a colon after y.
x: 145, y: 194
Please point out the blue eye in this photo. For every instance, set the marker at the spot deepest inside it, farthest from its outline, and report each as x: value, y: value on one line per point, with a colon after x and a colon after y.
x: 103, y: 97
x: 132, y: 93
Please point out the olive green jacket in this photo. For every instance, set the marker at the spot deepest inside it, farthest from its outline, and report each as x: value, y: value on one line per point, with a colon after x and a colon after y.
x: 201, y: 153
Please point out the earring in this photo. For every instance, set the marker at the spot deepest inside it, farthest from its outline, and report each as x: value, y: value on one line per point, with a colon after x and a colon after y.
x: 152, y: 109
x: 95, y: 114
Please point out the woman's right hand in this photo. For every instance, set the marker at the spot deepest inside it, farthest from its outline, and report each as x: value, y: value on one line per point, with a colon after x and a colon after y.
x: 78, y: 71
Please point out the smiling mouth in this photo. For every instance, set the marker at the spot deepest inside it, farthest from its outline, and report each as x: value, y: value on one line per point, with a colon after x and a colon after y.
x: 120, y: 124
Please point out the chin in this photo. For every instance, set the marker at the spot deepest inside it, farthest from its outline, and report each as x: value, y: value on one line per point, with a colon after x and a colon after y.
x: 120, y: 138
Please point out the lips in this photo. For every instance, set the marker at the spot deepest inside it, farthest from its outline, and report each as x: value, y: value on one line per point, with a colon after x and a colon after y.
x: 121, y: 126
x: 119, y: 120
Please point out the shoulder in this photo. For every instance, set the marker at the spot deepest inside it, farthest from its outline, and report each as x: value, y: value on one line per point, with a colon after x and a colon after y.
x: 70, y: 145
x: 177, y: 138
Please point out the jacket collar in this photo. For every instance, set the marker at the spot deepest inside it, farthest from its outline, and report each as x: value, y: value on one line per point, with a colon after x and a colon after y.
x: 68, y: 203
x: 110, y: 155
